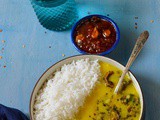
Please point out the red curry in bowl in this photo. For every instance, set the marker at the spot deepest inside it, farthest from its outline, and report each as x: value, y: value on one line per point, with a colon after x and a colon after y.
x: 95, y: 35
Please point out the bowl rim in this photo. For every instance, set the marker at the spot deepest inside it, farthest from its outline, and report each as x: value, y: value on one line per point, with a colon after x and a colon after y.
x: 142, y: 117
x: 104, y: 18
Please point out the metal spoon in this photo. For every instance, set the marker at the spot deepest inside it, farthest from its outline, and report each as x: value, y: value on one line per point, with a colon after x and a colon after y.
x: 136, y: 50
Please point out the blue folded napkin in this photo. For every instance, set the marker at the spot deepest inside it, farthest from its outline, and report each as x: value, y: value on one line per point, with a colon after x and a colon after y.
x: 7, y: 113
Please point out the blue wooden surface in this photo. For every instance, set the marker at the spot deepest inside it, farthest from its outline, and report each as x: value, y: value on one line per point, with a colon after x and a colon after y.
x: 24, y: 65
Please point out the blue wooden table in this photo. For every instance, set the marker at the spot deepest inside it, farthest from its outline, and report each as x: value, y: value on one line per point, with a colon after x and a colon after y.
x: 27, y: 49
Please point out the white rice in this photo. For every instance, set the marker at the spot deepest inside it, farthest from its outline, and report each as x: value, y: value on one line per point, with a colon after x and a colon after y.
x: 61, y: 96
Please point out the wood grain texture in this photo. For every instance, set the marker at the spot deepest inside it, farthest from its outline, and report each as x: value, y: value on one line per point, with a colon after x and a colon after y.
x: 24, y: 65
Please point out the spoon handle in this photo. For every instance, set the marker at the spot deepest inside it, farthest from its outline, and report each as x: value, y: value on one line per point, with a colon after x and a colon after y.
x: 136, y: 50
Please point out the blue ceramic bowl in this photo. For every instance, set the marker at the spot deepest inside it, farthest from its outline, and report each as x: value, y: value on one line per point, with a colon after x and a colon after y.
x: 104, y: 18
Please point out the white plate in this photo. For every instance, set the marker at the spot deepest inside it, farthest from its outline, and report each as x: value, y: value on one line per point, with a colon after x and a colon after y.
x: 56, y: 66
